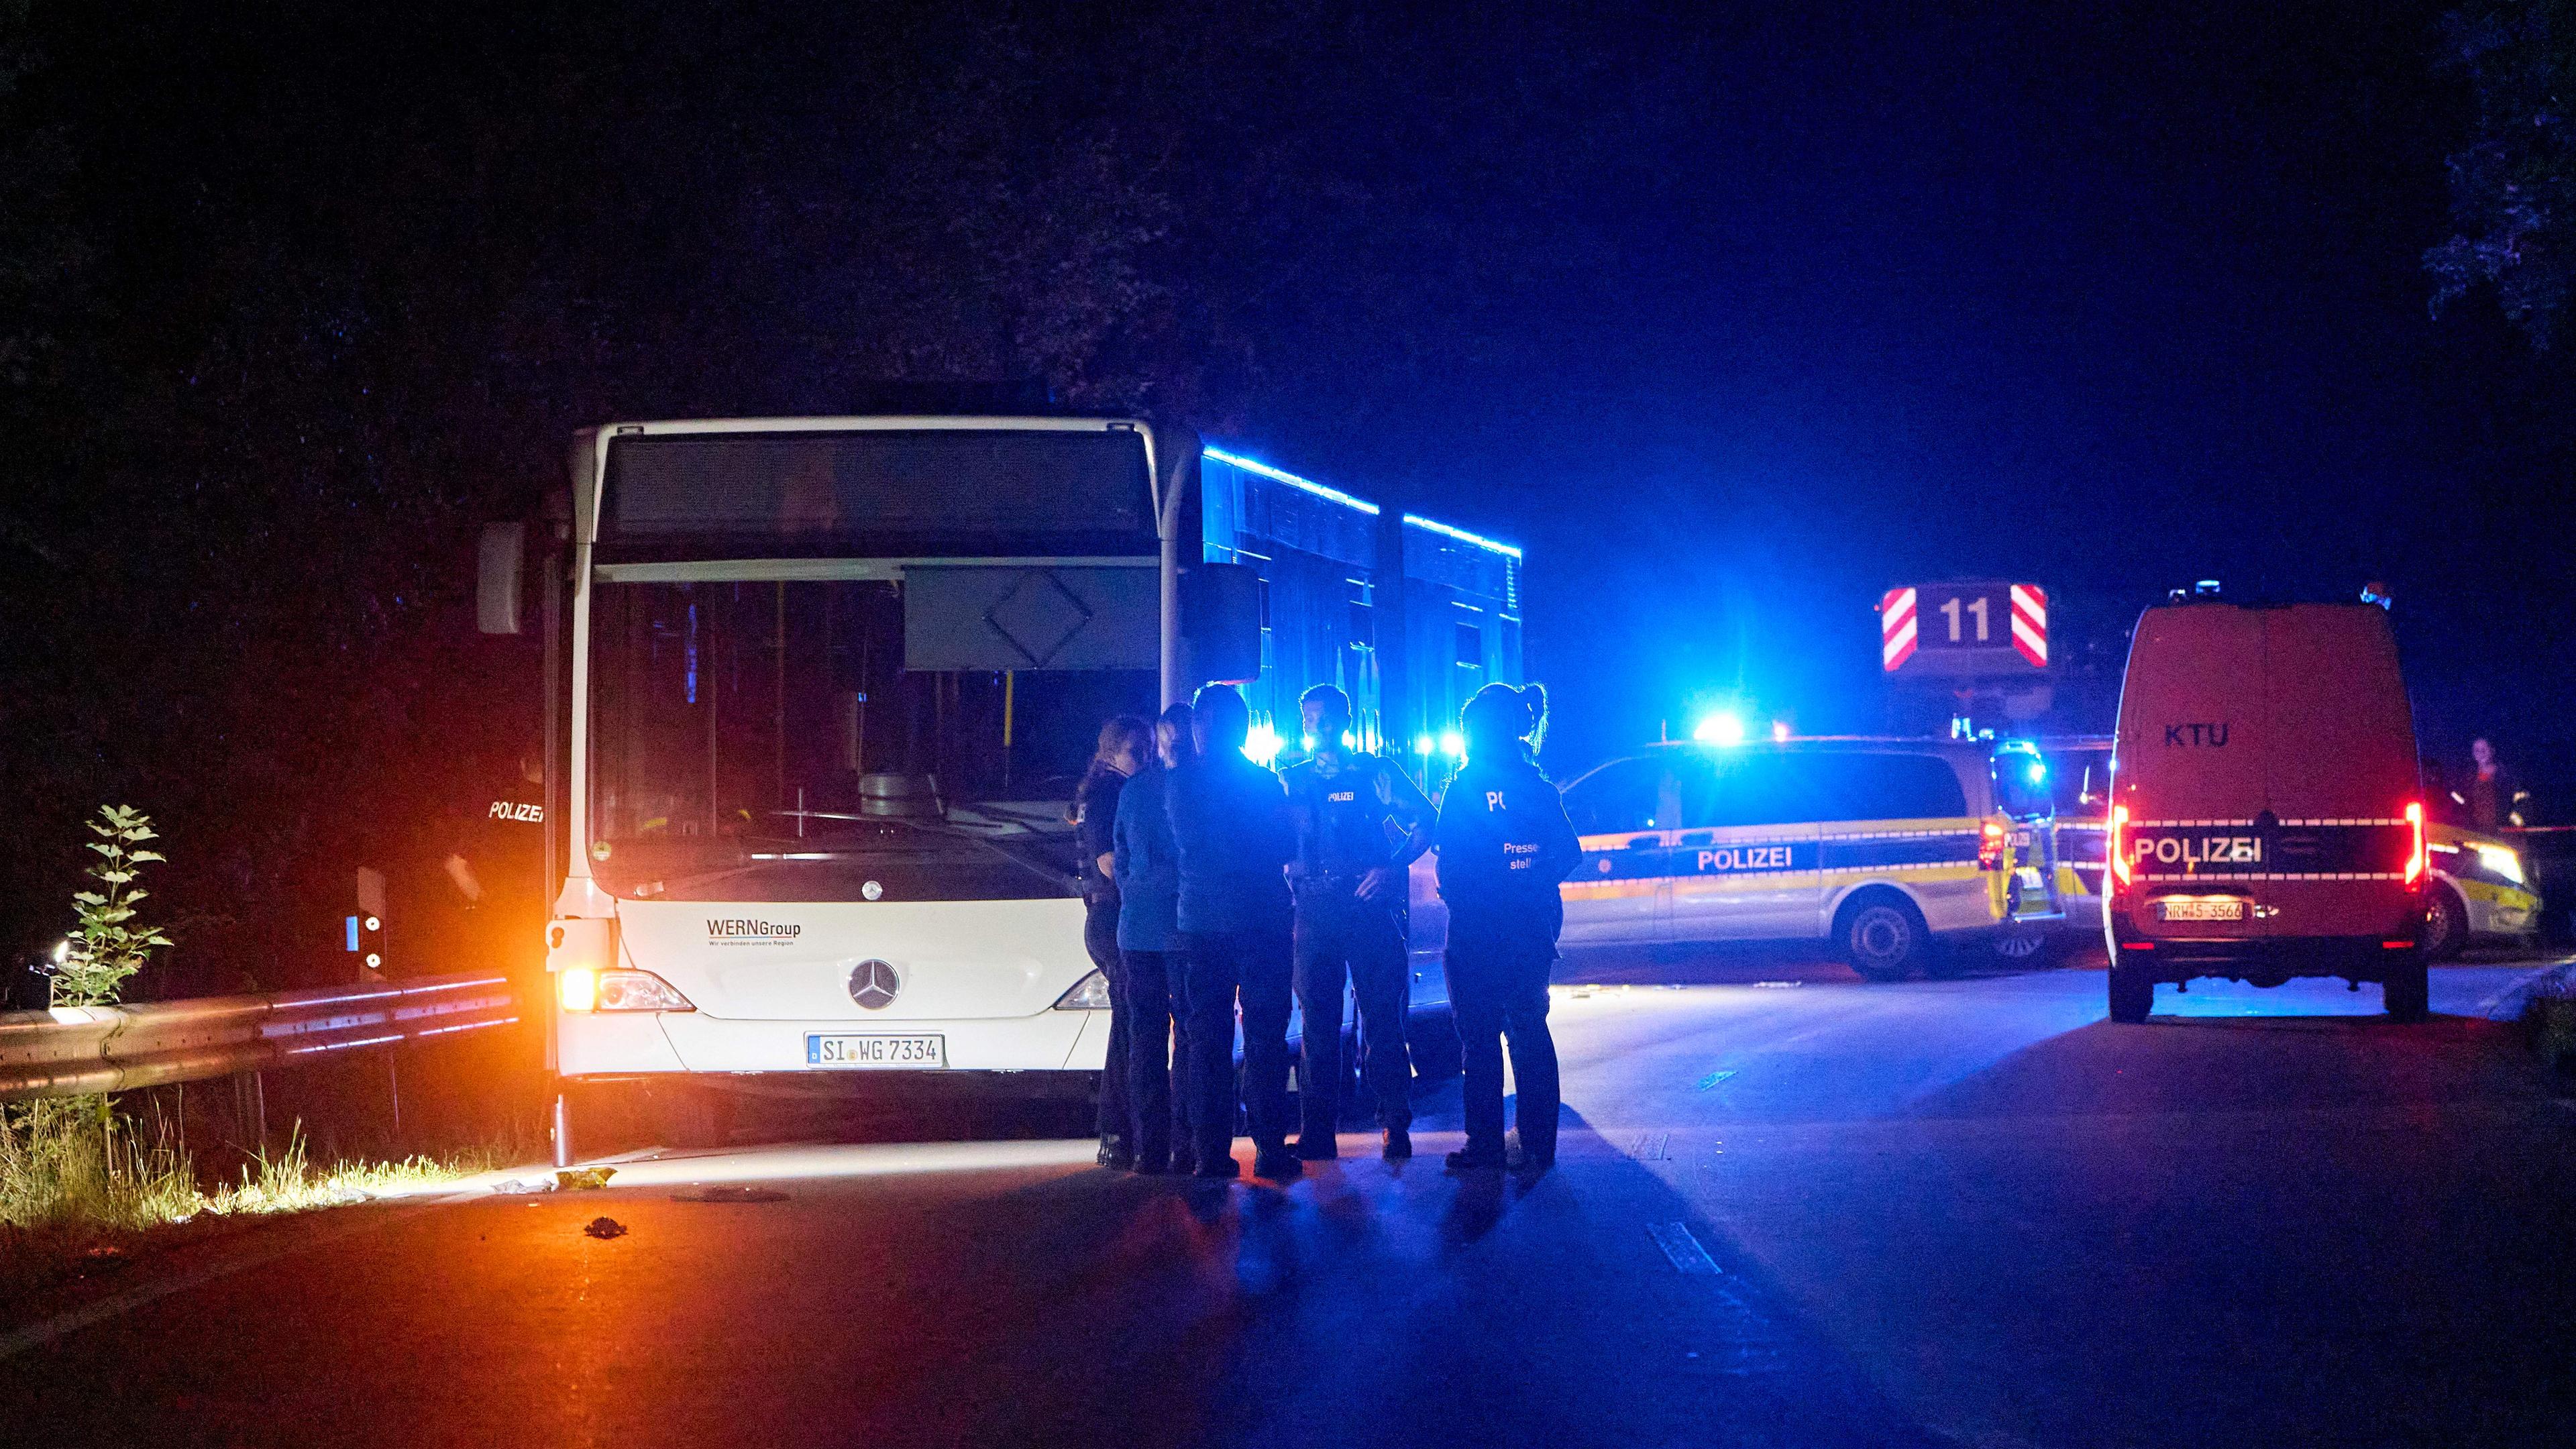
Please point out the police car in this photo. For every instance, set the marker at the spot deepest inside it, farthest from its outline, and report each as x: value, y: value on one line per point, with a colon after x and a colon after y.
x: 1886, y: 847
x: 2481, y: 892
x: 2079, y: 772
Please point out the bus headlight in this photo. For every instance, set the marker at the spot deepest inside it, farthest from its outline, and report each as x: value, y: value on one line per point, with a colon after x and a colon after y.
x: 2501, y: 861
x: 1091, y: 993
x: 584, y: 988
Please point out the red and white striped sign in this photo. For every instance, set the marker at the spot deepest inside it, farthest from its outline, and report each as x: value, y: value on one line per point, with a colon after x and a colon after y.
x: 2029, y: 624
x: 1896, y: 628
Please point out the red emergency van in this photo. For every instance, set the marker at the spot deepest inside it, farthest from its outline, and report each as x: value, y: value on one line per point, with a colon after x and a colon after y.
x: 2266, y: 819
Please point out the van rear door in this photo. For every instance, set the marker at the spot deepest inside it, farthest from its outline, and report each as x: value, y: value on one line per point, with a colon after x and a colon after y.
x: 2339, y: 770
x: 2192, y: 719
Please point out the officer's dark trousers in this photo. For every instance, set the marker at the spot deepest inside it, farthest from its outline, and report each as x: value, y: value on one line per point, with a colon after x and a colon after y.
x: 1100, y: 938
x: 1498, y: 961
x: 1215, y: 965
x: 1339, y: 935
x: 1158, y: 1046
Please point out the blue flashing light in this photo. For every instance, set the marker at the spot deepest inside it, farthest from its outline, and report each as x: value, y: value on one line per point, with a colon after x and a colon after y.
x: 1261, y: 746
x: 1460, y: 534
x: 1721, y: 728
x: 1454, y: 745
x: 2038, y: 772
x: 1424, y: 744
x: 353, y: 933
x: 1277, y: 475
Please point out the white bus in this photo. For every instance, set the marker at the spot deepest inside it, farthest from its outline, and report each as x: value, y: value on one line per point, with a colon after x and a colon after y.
x: 819, y: 689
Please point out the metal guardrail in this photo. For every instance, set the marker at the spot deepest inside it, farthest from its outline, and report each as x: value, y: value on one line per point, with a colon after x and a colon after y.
x: 77, y: 1050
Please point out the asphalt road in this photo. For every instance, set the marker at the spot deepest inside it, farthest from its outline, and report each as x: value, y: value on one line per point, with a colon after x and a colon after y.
x: 1813, y: 1214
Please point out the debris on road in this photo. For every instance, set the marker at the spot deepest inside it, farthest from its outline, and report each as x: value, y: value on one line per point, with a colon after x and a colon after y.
x: 584, y: 1179
x: 605, y: 1228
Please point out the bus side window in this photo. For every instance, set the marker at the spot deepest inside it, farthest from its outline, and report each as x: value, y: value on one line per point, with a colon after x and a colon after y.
x: 1624, y: 795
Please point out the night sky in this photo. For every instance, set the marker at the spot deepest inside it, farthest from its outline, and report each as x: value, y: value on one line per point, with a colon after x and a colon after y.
x: 1733, y: 319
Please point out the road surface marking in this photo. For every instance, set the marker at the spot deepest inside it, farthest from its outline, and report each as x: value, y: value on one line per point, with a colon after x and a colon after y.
x: 1689, y: 1258
x: 1712, y: 1079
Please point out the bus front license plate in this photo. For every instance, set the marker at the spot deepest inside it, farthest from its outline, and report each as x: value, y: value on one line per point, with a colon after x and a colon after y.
x: 914, y: 1053
x: 2200, y: 908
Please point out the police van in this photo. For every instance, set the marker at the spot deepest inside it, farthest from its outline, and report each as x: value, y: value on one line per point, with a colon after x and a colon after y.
x: 1887, y: 847
x: 2266, y: 817
x: 2482, y: 887
x: 2079, y: 772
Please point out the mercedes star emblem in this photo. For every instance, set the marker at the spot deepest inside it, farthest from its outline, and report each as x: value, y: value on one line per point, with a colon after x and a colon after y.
x: 873, y: 984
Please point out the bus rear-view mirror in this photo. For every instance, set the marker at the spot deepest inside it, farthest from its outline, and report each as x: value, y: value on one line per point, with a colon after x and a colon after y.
x: 500, y: 584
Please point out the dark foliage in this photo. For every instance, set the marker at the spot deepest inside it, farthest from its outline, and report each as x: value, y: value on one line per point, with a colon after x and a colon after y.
x: 2513, y: 186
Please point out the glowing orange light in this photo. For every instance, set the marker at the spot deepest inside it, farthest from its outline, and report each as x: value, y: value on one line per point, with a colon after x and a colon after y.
x: 578, y: 988
x: 2415, y: 857
x: 2119, y: 844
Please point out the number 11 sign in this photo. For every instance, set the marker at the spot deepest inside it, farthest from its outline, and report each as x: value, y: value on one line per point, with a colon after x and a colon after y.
x: 1964, y: 628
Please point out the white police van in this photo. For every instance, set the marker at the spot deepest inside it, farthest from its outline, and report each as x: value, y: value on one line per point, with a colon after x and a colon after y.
x: 1887, y: 847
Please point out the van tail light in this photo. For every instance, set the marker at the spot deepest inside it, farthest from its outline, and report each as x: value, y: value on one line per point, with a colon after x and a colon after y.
x: 1990, y: 847
x: 2415, y: 859
x: 2118, y: 846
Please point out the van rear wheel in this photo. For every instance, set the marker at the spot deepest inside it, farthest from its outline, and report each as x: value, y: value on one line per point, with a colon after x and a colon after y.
x: 2407, y: 990
x: 1884, y: 937
x: 2133, y: 994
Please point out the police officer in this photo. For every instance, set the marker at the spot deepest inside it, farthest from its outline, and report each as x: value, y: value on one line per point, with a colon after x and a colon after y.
x: 1231, y: 828
x: 493, y: 857
x: 2496, y: 801
x: 1147, y: 867
x: 1504, y: 844
x: 1360, y: 823
x: 1125, y: 742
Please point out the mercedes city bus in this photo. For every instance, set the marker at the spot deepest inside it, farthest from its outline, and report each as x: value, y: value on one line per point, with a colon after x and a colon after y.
x: 819, y: 689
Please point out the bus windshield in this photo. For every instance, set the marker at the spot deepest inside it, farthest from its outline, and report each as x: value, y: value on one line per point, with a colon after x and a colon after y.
x: 763, y: 741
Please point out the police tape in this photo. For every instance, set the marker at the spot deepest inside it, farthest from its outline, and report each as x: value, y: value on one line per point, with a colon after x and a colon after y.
x: 81, y: 1050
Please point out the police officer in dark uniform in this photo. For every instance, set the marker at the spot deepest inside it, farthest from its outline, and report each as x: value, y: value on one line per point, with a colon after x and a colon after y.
x: 1147, y: 866
x: 493, y: 857
x: 1360, y: 823
x: 1234, y: 841
x: 1125, y: 744
x: 1504, y: 843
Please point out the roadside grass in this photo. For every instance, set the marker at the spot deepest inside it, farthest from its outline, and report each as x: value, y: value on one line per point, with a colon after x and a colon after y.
x: 81, y: 1188
x: 289, y: 1182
